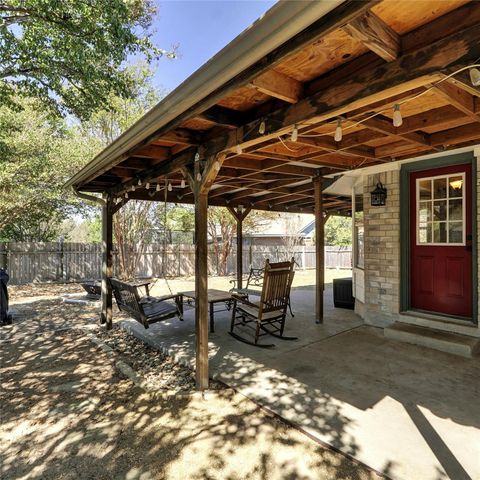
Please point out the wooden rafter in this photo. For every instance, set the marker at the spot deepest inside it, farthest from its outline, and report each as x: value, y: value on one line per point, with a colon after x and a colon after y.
x: 376, y: 35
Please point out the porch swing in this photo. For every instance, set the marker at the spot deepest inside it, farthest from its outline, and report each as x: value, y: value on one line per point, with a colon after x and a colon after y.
x: 147, y: 309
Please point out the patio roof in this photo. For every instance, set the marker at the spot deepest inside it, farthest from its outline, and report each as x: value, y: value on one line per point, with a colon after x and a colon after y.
x: 336, y: 60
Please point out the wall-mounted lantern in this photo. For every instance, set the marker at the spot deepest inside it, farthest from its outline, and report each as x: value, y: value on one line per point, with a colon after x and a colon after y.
x: 379, y: 195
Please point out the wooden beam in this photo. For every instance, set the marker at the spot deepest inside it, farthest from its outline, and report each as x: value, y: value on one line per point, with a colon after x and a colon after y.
x: 164, y: 168
x: 319, y: 250
x: 458, y: 98
x: 201, y: 291
x: 278, y: 85
x: 376, y: 35
x: 239, y: 217
x: 223, y: 116
x: 154, y: 151
x: 106, y: 317
x: 408, y: 72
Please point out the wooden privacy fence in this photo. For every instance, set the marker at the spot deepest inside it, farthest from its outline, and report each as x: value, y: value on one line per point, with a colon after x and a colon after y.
x: 55, y: 262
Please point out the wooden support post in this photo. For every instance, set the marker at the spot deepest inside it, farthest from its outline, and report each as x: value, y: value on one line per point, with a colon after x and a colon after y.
x: 200, y: 182
x: 201, y: 290
x: 319, y: 249
x: 239, y: 217
x: 107, y: 246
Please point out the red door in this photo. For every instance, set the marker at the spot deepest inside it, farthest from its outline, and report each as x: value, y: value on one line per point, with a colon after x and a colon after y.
x: 441, y: 240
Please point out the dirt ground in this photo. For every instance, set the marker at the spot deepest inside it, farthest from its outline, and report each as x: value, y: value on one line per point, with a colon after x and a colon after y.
x: 67, y: 413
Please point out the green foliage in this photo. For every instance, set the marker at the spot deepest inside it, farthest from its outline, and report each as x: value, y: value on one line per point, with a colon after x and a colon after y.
x: 71, y: 54
x: 94, y: 229
x: 338, y: 231
x: 37, y: 156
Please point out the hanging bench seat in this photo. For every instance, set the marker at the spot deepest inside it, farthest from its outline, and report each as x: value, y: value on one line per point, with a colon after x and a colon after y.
x: 146, y: 310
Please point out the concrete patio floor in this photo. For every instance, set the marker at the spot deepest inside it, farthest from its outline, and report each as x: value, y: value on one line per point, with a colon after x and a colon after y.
x: 406, y: 411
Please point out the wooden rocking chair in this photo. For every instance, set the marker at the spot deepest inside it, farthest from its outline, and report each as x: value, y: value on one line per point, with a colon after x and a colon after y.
x: 266, y: 317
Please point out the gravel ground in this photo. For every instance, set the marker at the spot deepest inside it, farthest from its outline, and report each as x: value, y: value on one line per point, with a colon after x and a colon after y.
x: 67, y: 413
x: 159, y: 370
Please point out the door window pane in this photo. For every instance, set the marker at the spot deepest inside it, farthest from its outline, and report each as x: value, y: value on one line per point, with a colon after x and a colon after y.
x: 455, y: 232
x: 425, y: 189
x: 439, y: 232
x: 440, y: 210
x: 440, y: 188
x: 455, y: 209
x: 425, y: 212
x: 455, y: 186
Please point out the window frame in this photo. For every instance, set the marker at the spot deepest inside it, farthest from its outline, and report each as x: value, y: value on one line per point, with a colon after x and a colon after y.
x: 447, y: 221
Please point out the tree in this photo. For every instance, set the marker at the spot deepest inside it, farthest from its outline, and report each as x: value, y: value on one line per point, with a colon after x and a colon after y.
x: 222, y: 229
x: 38, y: 154
x: 338, y: 231
x: 292, y: 237
x: 71, y: 54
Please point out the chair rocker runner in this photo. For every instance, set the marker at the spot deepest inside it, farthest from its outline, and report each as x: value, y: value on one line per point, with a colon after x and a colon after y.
x: 146, y: 310
x: 266, y: 317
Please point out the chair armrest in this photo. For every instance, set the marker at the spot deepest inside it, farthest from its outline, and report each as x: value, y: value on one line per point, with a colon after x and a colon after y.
x: 243, y: 300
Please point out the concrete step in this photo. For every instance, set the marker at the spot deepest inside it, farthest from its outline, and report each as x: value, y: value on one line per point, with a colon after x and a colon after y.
x: 438, y: 322
x: 454, y: 343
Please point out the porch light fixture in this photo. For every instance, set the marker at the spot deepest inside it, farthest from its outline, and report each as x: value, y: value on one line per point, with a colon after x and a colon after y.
x: 294, y: 136
x: 475, y: 77
x: 456, y: 184
x: 338, y: 131
x: 261, y: 128
x: 378, y: 197
x: 182, y: 184
x: 397, y: 116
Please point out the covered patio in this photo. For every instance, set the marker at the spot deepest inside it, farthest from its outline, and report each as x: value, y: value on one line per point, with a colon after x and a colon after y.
x: 269, y: 123
x: 346, y: 385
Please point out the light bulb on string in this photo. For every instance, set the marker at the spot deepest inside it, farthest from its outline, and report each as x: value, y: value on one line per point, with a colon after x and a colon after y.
x: 197, y: 157
x: 182, y: 184
x: 169, y: 187
x: 139, y: 183
x: 147, y: 185
x: 199, y: 177
x: 132, y: 188
x: 261, y: 128
x: 475, y: 77
x: 158, y: 187
x: 126, y: 194
x: 338, y: 131
x: 294, y: 136
x: 397, y: 116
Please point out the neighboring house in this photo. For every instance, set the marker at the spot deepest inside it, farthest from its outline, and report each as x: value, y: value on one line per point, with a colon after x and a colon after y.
x: 416, y: 257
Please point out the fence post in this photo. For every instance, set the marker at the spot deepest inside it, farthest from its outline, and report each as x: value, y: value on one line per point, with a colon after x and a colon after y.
x: 4, y: 256
x: 60, y: 254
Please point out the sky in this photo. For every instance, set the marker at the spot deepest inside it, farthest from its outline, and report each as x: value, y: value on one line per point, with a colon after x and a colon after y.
x: 200, y: 29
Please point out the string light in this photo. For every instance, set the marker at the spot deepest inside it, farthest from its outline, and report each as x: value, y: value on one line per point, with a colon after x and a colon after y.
x: 132, y: 188
x: 261, y: 128
x: 147, y: 185
x: 294, y: 136
x: 139, y: 183
x: 182, y: 184
x: 397, y: 116
x: 169, y: 187
x: 199, y: 177
x: 197, y: 157
x: 126, y: 194
x: 475, y: 77
x: 338, y: 131
x: 158, y: 187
